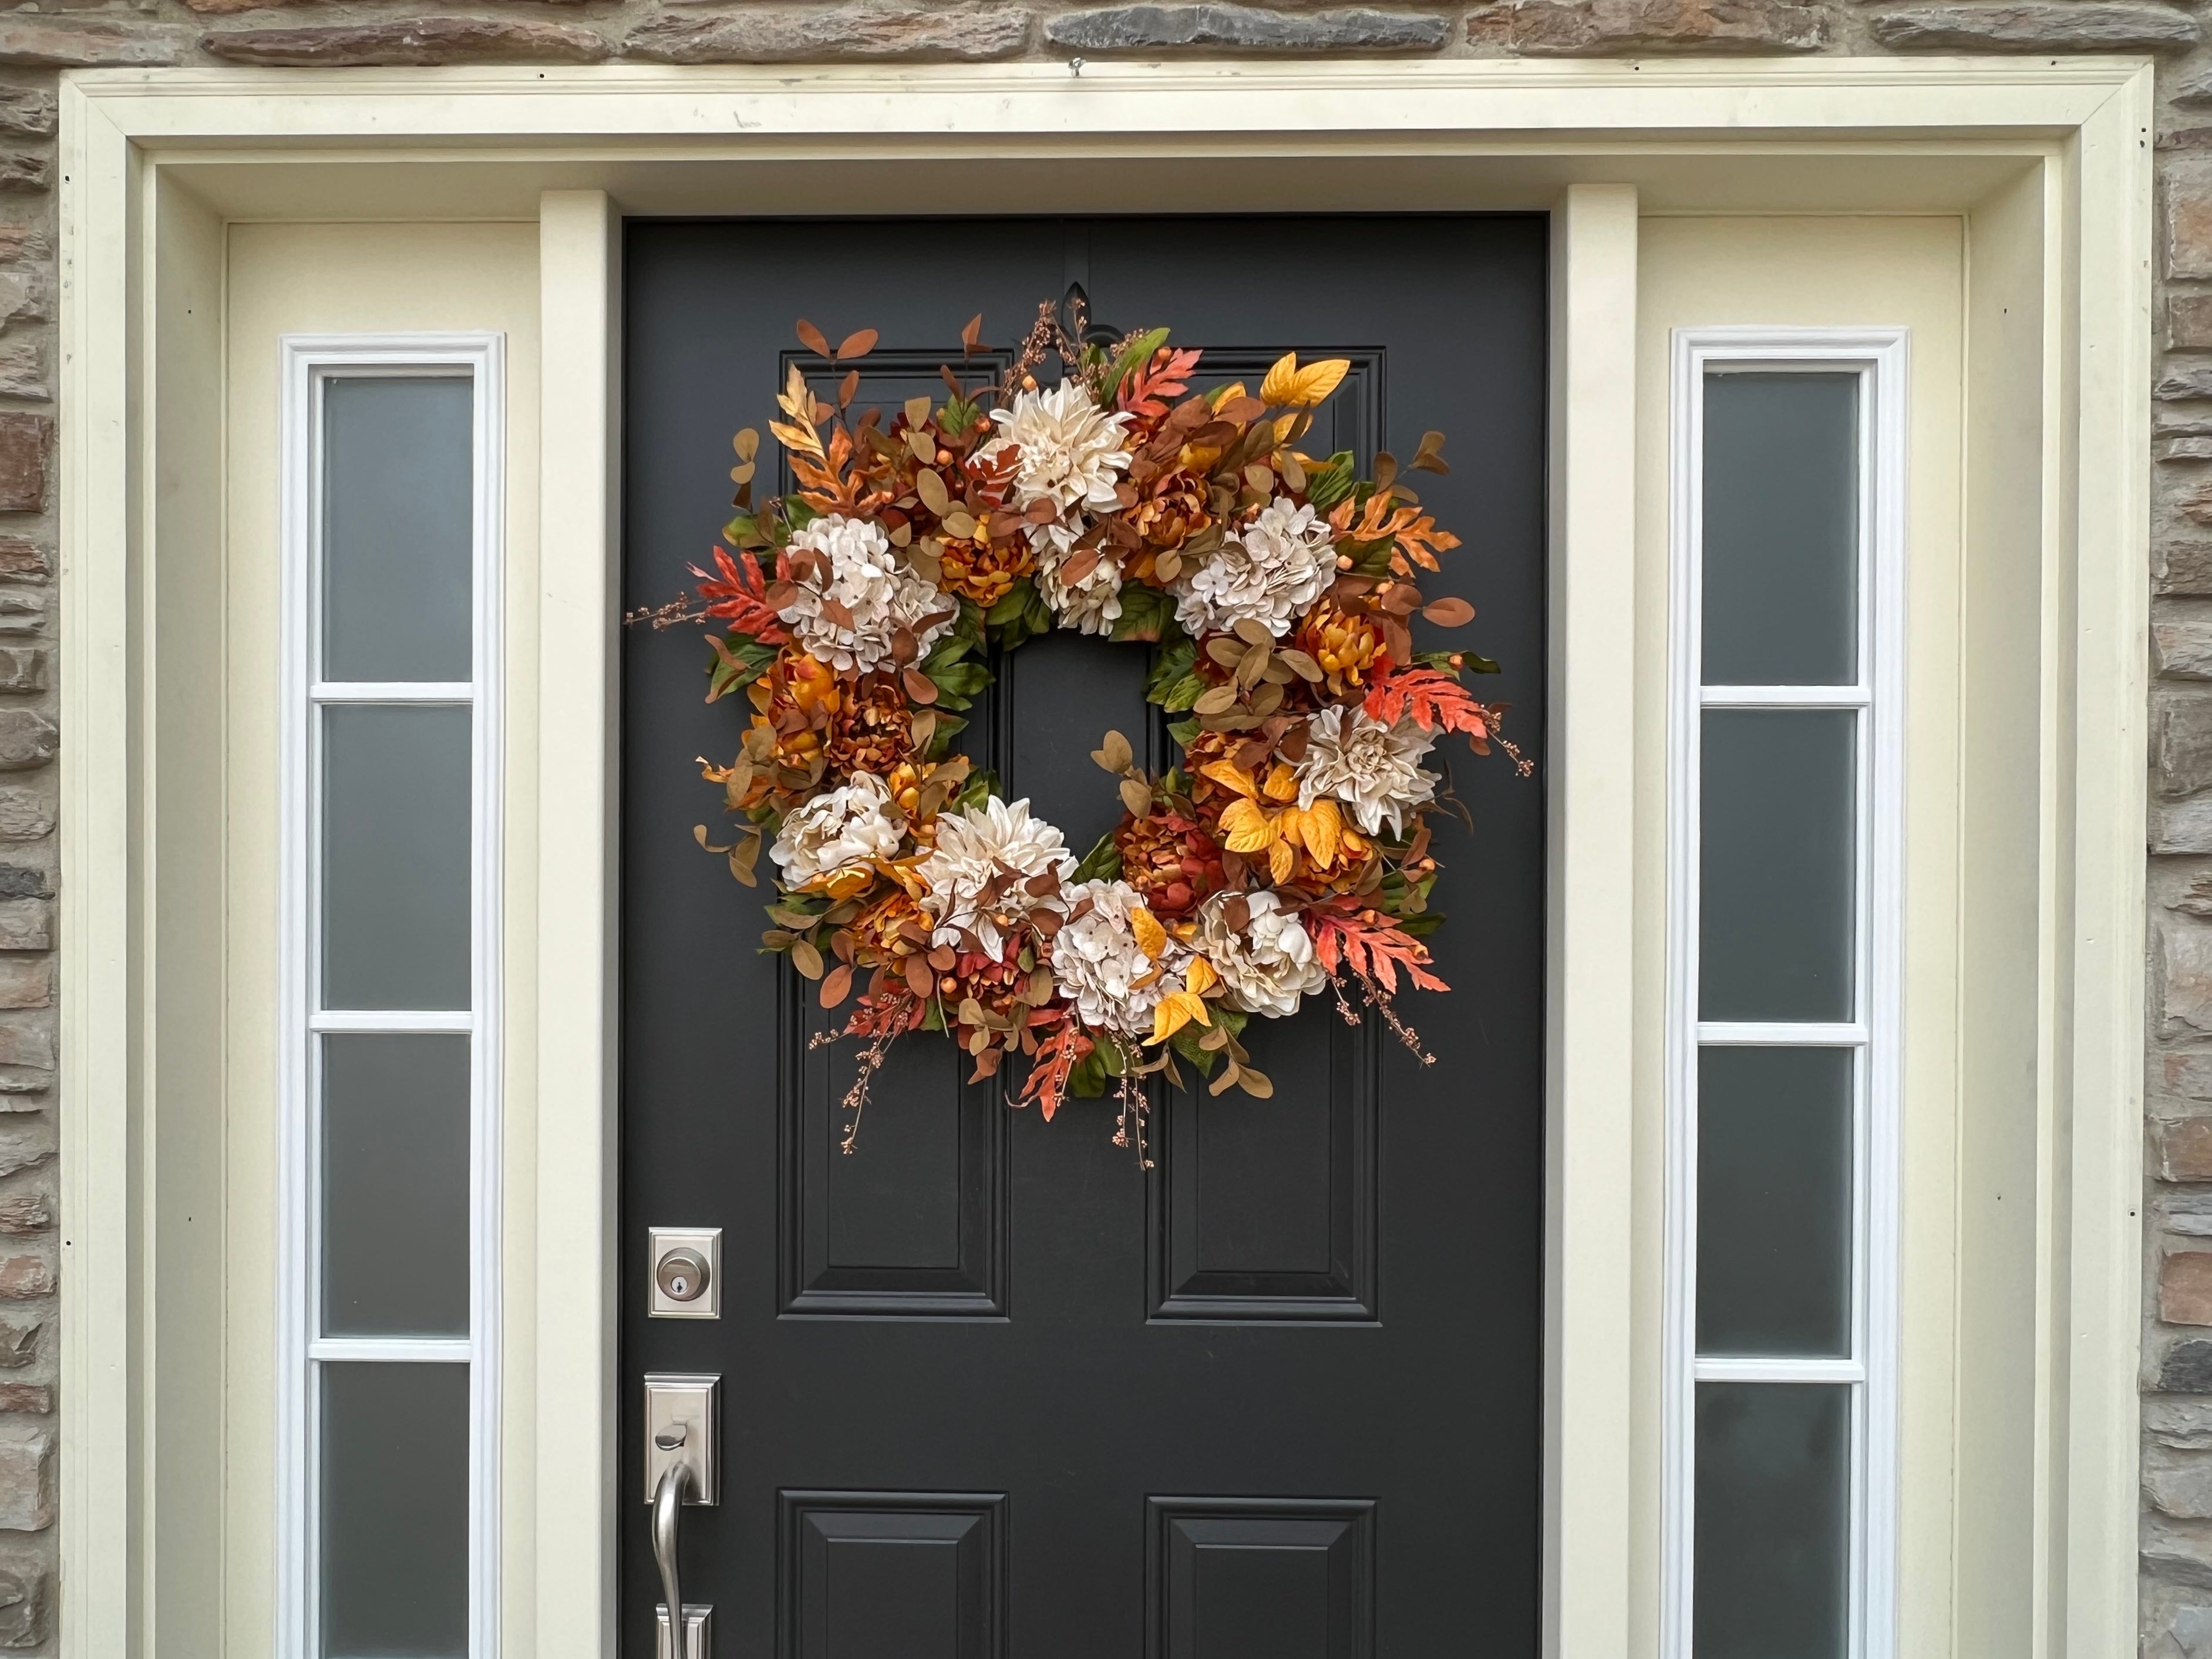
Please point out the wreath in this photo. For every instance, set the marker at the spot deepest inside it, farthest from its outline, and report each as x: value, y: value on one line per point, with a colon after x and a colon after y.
x: 1288, y: 853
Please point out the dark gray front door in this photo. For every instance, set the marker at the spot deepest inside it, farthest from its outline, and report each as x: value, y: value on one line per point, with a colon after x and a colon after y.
x: 989, y: 1390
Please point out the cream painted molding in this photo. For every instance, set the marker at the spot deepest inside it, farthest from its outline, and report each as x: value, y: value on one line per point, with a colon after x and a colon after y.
x: 1924, y: 134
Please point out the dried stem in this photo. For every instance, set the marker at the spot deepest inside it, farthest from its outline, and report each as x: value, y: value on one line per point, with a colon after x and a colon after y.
x: 1129, y: 1128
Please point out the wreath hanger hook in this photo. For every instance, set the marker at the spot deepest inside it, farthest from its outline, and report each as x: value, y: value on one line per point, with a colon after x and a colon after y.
x: 1076, y: 322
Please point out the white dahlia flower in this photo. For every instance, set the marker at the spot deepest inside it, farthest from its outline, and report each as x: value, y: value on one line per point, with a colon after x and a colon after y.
x: 978, y: 871
x: 1089, y: 605
x: 1269, y: 962
x: 1374, y: 768
x: 1072, y: 452
x: 836, y: 830
x: 1101, y: 967
x: 858, y: 595
x: 1269, y: 571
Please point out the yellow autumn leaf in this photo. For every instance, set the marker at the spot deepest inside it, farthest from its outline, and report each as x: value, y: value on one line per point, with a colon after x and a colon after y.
x: 1320, y: 827
x: 796, y: 437
x: 1281, y: 860
x: 1282, y: 783
x: 1282, y: 384
x: 1151, y: 937
x: 1200, y: 976
x: 1231, y: 775
x: 1248, y: 829
x: 1316, y: 381
x: 1174, y: 1012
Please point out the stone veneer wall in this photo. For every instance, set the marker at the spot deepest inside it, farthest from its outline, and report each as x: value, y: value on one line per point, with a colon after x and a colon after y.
x: 37, y: 39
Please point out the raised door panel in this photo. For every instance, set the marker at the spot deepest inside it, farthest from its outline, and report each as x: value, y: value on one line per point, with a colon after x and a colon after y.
x: 892, y: 1576
x: 1262, y: 1578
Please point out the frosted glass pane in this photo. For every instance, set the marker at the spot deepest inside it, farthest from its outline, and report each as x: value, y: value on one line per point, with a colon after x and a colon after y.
x: 1774, y: 1201
x: 396, y: 1186
x: 397, y: 484
x: 395, y: 1502
x: 1773, y: 1510
x: 1781, y: 529
x: 395, y: 857
x: 1776, y: 887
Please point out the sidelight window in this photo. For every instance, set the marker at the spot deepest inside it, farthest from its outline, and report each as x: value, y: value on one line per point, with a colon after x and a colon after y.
x: 1783, y: 919
x: 388, y: 1316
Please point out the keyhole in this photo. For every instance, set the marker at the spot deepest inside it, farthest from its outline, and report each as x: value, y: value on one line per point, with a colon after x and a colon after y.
x: 679, y: 1285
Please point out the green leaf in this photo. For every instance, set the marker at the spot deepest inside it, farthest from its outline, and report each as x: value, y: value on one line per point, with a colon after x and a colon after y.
x: 1131, y: 357
x: 1331, y: 482
x: 980, y: 787
x: 744, y: 532
x: 1014, y: 601
x: 1185, y: 1043
x: 1086, y: 1080
x: 1185, y: 732
x: 1144, y: 613
x: 733, y: 668
x: 1169, y: 664
x: 940, y: 742
x: 1102, y: 863
x: 798, y: 514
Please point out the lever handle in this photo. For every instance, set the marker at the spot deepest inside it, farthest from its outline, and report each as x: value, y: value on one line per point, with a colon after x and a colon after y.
x: 667, y: 1510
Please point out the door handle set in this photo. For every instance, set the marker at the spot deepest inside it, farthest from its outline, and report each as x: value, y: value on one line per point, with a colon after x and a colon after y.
x: 680, y: 1471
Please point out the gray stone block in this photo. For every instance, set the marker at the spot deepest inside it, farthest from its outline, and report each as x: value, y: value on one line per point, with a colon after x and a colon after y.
x: 1243, y: 28
x: 776, y: 35
x: 2046, y: 25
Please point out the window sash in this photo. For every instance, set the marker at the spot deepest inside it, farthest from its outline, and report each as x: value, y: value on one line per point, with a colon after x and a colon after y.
x: 309, y: 365
x: 1878, y: 359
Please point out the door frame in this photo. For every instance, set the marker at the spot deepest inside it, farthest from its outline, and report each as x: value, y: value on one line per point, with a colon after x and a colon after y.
x: 2049, y: 165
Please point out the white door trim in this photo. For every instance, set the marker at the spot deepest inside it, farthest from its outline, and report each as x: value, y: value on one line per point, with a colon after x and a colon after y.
x: 572, y: 147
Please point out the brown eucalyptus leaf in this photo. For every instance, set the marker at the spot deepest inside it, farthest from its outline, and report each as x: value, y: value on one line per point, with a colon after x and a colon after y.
x: 782, y: 596
x: 1169, y: 566
x: 919, y: 686
x: 775, y: 939
x: 931, y: 487
x: 747, y: 444
x: 1255, y: 1084
x: 1430, y: 458
x: 1137, y: 797
x: 1267, y: 699
x: 944, y: 958
x: 811, y: 338
x: 857, y: 344
x: 1113, y: 753
x: 919, y: 979
x: 971, y: 338
x: 971, y: 1013
x: 1252, y: 631
x: 1041, y: 987
x: 1302, y: 665
x: 1253, y: 665
x: 1219, y: 700
x: 1449, y: 613
x: 806, y: 958
x: 1226, y: 651
x: 1044, y: 882
x: 923, y: 446
x: 922, y: 727
x: 836, y: 985
x: 1222, y: 1085
x: 917, y: 409
x: 1293, y: 473
x: 902, y: 534
x: 958, y: 524
x: 1237, y: 912
x: 1080, y: 566
x: 849, y: 388
x: 1261, y: 479
x: 1386, y: 469
x: 1215, y: 1039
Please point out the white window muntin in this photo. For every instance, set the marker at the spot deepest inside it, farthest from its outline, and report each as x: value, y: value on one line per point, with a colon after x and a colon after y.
x: 1877, y: 357
x: 309, y: 364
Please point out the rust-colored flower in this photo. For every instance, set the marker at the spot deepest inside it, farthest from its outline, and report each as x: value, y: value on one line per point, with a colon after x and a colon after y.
x: 890, y: 931
x: 983, y: 571
x: 874, y: 730
x: 1171, y: 861
x: 796, y: 703
x: 1347, y: 644
x: 1171, y: 510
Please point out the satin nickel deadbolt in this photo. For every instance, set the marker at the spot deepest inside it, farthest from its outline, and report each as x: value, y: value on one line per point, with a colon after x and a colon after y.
x: 686, y: 1263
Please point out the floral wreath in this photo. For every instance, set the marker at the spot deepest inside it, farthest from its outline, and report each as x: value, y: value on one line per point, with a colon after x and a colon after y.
x: 1286, y: 854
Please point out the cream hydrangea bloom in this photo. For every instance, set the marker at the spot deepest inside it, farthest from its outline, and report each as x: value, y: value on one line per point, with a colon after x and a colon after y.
x: 838, y: 829
x: 977, y: 870
x: 1100, y: 966
x: 1269, y: 963
x: 1090, y: 605
x: 1072, y: 452
x: 1269, y: 571
x: 1373, y: 767
x: 859, y: 573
